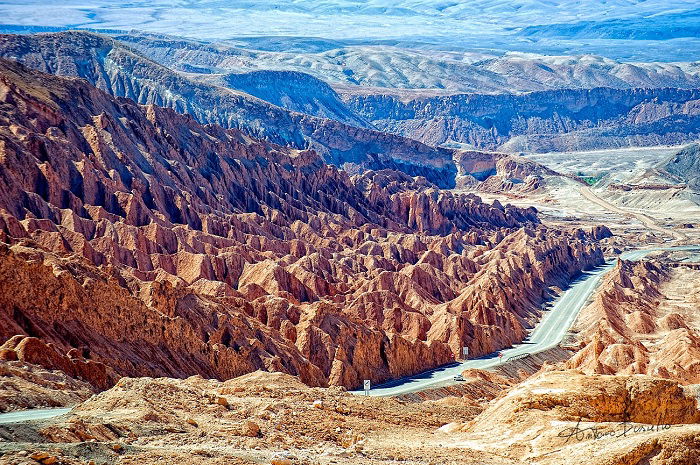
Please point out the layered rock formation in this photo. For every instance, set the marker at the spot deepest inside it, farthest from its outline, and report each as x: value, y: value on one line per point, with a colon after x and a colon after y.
x: 570, y: 396
x: 498, y: 172
x: 25, y: 385
x: 118, y: 70
x: 565, y: 417
x: 556, y: 120
x: 642, y: 321
x: 31, y: 350
x: 684, y: 166
x: 157, y: 246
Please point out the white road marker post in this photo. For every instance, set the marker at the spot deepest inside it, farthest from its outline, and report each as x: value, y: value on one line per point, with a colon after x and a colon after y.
x: 368, y: 386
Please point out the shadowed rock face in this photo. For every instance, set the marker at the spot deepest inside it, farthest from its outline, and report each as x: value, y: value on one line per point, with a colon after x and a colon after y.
x: 685, y: 165
x: 161, y: 247
x: 118, y: 70
x: 294, y: 91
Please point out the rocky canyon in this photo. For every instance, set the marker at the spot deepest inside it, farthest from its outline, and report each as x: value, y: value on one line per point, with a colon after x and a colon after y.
x: 139, y: 243
x: 420, y: 246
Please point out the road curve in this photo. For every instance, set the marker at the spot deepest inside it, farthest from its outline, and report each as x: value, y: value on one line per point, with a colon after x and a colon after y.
x: 33, y: 414
x: 548, y: 333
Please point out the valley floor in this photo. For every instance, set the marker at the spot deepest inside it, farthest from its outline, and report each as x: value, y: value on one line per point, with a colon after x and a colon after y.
x: 625, y: 191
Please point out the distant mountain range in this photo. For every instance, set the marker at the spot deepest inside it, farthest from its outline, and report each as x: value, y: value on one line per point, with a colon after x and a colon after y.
x: 516, y: 102
x: 578, y: 103
x: 672, y: 24
x: 397, y: 67
x: 555, y: 120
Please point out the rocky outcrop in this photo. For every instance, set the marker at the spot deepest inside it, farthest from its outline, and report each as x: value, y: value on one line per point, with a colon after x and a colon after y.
x: 498, y: 172
x: 167, y: 248
x: 556, y: 120
x: 34, y: 351
x: 684, y: 166
x: 565, y: 417
x: 570, y: 396
x: 24, y: 386
x: 600, y: 232
x: 633, y: 327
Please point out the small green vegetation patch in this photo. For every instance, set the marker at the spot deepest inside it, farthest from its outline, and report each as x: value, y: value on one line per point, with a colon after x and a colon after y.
x: 590, y: 179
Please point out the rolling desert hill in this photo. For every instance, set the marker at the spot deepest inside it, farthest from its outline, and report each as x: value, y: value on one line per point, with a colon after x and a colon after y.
x: 395, y: 68
x: 685, y: 166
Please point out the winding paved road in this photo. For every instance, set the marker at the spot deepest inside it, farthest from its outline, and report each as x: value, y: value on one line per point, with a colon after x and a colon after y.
x: 33, y: 414
x: 548, y: 333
